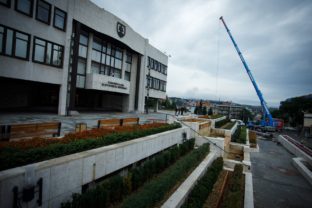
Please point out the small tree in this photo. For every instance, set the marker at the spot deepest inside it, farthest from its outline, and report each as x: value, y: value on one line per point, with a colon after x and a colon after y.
x: 205, y: 110
x: 210, y: 111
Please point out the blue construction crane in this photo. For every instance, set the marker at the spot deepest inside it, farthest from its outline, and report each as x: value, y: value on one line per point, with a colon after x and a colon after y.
x: 267, y: 119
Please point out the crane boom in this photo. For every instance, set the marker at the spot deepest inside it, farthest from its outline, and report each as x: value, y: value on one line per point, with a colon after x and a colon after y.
x: 267, y: 119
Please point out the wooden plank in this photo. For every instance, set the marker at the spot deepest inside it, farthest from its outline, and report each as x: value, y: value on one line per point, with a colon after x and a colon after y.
x: 108, y: 123
x: 130, y: 121
x: 35, y: 129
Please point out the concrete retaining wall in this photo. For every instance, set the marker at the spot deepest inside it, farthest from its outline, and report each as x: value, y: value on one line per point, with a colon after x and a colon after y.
x: 216, y: 144
x: 180, y: 195
x: 294, y: 149
x: 298, y: 163
x: 249, y: 198
x: 65, y: 175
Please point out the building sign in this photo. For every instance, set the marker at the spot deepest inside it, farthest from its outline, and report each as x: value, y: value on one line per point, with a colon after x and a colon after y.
x: 114, y: 85
x: 121, y: 29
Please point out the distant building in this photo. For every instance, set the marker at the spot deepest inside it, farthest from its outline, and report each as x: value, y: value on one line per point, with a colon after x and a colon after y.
x: 228, y: 109
x: 307, y: 124
x: 72, y: 55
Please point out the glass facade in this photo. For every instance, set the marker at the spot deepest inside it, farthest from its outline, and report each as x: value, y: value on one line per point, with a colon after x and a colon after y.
x: 82, y: 60
x: 106, y: 58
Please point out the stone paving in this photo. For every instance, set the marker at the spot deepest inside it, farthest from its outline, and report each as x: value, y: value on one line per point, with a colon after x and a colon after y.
x: 276, y: 182
x: 69, y: 122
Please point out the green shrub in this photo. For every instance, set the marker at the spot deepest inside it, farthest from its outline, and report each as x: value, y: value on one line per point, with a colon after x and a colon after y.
x: 154, y: 191
x: 239, y: 135
x: 234, y: 197
x: 11, y: 157
x: 115, y: 188
x: 204, y: 186
x: 219, y: 124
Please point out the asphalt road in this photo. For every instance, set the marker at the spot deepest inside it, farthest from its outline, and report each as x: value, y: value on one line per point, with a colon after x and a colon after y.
x: 276, y: 181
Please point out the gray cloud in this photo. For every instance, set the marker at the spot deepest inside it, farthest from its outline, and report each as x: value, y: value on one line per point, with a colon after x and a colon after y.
x: 274, y: 36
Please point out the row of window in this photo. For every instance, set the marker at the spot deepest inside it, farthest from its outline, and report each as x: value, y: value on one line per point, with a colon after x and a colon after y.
x: 157, y: 66
x: 16, y: 44
x: 156, y: 84
x: 43, y: 11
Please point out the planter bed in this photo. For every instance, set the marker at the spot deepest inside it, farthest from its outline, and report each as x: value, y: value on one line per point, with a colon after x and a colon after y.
x: 234, y: 192
x: 253, y: 139
x: 221, y: 123
x: 112, y: 190
x: 240, y: 135
x: 14, y: 154
x: 229, y: 125
x: 204, y: 186
x: 154, y: 191
x: 214, y: 199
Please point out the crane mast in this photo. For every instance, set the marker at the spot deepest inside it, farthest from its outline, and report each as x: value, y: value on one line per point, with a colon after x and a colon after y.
x: 267, y: 119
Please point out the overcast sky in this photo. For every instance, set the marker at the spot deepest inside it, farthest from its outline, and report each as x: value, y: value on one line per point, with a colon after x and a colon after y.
x: 275, y: 37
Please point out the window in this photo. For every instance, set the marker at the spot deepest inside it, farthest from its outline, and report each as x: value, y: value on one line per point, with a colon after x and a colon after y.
x: 157, y: 66
x: 82, y: 59
x: 24, y: 7
x: 81, y: 73
x: 46, y: 52
x: 106, y: 58
x: 128, y: 66
x: 83, y: 45
x: 14, y: 43
x: 156, y: 84
x: 43, y: 11
x: 59, y: 19
x: 5, y: 3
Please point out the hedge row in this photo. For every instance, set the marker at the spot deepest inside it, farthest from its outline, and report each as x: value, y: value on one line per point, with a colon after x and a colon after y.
x: 117, y: 187
x: 13, y: 157
x: 239, y: 135
x: 155, y: 190
x: 204, y: 186
x: 219, y: 124
x: 229, y: 125
x: 234, y: 197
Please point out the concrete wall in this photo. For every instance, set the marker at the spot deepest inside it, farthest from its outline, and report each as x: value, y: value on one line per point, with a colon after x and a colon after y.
x: 294, y: 149
x: 216, y: 144
x: 65, y: 175
x: 302, y: 168
x: 249, y: 198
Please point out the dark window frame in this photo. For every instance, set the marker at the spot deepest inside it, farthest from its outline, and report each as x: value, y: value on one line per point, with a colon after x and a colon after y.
x: 8, y: 4
x: 14, y: 43
x: 65, y: 19
x: 157, y: 66
x: 22, y: 12
x: 50, y: 11
x: 45, y: 53
x: 152, y: 81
